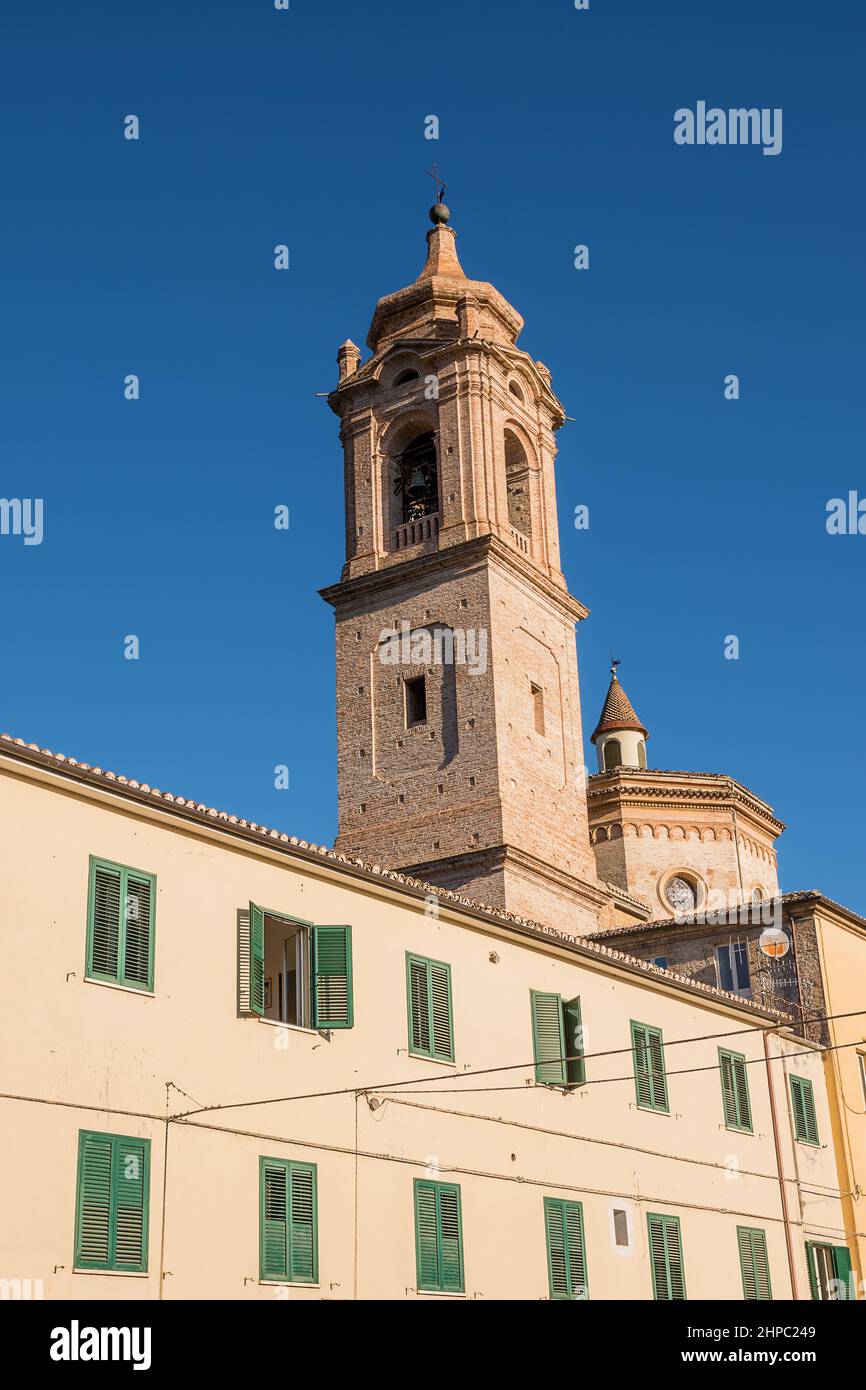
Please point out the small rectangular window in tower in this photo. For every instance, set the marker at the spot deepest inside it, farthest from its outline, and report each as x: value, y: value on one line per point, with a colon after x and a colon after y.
x: 537, y: 706
x: 416, y: 701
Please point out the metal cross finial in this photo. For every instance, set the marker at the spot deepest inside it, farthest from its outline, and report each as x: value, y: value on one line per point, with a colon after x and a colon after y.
x: 441, y: 187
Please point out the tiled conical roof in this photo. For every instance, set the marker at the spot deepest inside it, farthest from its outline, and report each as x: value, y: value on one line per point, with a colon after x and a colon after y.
x: 617, y: 712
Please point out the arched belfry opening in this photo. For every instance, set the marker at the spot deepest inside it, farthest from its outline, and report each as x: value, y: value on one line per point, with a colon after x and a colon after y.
x: 416, y: 479
x: 517, y: 485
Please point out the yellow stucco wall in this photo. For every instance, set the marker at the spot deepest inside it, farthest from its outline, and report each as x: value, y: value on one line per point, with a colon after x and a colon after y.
x: 83, y: 1055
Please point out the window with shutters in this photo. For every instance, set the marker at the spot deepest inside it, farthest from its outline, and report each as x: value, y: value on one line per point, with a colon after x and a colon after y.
x: 112, y: 1202
x: 438, y: 1237
x: 830, y: 1276
x: 651, y: 1086
x: 288, y: 1221
x: 735, y: 1091
x: 666, y: 1257
x: 431, y: 1030
x: 294, y: 973
x: 803, y: 1108
x: 566, y: 1249
x: 121, y: 909
x: 754, y: 1264
x: 557, y: 1039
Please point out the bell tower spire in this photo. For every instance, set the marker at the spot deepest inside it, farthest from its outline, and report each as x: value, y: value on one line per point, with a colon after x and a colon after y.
x: 458, y: 709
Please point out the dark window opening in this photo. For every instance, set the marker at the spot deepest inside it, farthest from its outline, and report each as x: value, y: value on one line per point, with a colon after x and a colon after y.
x: 405, y: 377
x: 537, y: 706
x: 416, y: 701
x: 287, y: 972
x: 417, y: 481
x: 612, y: 754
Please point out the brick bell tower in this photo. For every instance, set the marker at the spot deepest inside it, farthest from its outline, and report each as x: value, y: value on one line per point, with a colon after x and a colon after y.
x: 460, y: 753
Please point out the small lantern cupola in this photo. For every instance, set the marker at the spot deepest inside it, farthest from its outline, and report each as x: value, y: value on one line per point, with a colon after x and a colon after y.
x: 619, y: 736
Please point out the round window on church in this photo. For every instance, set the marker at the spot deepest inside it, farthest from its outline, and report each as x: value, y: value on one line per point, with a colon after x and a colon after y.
x: 681, y: 893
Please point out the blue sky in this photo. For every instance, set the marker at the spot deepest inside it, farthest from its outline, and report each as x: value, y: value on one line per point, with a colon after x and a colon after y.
x: 707, y: 516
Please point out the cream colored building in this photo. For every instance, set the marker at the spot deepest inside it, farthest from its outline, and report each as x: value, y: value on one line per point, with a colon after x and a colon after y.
x: 239, y: 1066
x: 170, y: 1057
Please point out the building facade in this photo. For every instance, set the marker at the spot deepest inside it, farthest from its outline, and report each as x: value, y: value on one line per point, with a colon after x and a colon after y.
x: 181, y: 1119
x: 443, y: 1059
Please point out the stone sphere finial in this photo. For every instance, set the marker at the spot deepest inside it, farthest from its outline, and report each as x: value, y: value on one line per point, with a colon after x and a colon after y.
x: 439, y: 214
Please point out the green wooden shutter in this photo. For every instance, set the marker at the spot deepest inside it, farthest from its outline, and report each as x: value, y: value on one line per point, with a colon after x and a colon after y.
x: 842, y: 1265
x: 450, y: 1238
x: 812, y: 1264
x: 130, y: 1187
x: 120, y: 924
x: 754, y: 1264
x: 303, y: 1243
x: 111, y: 1216
x: 658, y: 1080
x: 103, y: 934
x: 257, y: 960
x: 666, y: 1258
x: 138, y: 930
x: 426, y: 1236
x: 438, y: 1237
x: 735, y: 1090
x: 548, y: 1039
x: 273, y: 1219
x: 419, y: 1005
x: 650, y: 1081
x: 640, y: 1050
x: 431, y: 1031
x: 566, y: 1249
x: 803, y: 1105
x: 93, y: 1202
x: 332, y: 977
x: 575, y: 1067
x: 440, y: 1011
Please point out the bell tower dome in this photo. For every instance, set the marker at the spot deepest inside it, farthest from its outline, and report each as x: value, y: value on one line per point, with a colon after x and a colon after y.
x: 619, y: 736
x: 458, y: 709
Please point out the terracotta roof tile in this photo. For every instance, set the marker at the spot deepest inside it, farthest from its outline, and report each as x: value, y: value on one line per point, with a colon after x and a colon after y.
x: 617, y: 712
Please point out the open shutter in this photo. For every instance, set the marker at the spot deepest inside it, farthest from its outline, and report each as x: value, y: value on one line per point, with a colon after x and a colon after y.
x: 440, y: 1011
x: 303, y: 1253
x: 426, y: 1236
x: 257, y: 960
x: 274, y: 1220
x: 575, y: 1068
x: 658, y: 1080
x: 842, y: 1269
x: 130, y: 1188
x: 104, y: 934
x: 332, y: 977
x: 451, y: 1241
x: 548, y: 1039
x: 419, y: 1005
x: 812, y: 1265
x: 138, y: 930
x: 642, y: 1081
x: 93, y: 1205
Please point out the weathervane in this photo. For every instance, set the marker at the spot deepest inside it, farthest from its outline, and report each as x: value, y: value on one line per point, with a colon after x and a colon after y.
x: 441, y: 187
x: 614, y: 662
